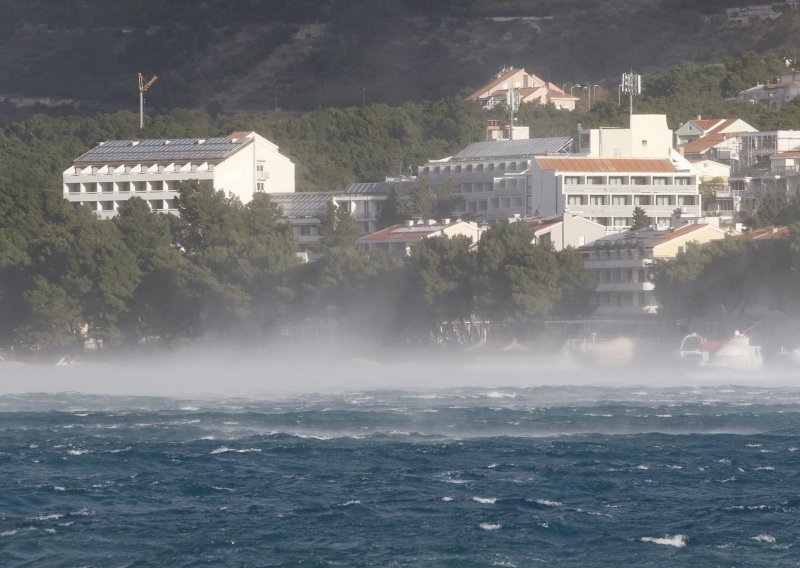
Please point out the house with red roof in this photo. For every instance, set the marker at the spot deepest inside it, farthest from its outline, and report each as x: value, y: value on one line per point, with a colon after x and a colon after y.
x: 524, y: 87
x: 773, y: 95
x: 399, y: 240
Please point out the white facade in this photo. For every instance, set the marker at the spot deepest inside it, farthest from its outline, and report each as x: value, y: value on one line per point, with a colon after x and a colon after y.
x: 648, y: 137
x: 240, y: 164
x: 568, y: 230
x: 606, y: 191
x: 490, y: 177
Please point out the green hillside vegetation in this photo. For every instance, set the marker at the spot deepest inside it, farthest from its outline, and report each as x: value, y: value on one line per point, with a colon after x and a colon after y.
x: 226, y: 268
x: 309, y: 54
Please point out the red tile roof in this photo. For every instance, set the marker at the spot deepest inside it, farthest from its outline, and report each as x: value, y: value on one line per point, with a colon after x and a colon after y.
x: 765, y: 233
x: 605, y: 164
x: 404, y: 232
x: 700, y: 145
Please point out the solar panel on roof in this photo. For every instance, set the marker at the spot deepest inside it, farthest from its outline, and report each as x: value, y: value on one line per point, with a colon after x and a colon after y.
x: 514, y: 148
x: 162, y: 150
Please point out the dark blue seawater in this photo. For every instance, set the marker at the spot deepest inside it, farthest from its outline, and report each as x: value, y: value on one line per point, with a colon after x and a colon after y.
x: 562, y: 476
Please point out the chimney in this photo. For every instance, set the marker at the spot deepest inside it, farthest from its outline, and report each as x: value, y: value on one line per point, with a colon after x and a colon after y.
x: 410, y: 223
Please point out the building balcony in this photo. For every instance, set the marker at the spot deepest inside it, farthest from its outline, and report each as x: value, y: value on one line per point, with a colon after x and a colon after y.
x: 602, y: 263
x: 625, y: 287
x: 627, y: 189
x: 611, y: 311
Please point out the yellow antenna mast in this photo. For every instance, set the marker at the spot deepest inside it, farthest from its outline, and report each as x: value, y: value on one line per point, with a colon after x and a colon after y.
x: 143, y: 86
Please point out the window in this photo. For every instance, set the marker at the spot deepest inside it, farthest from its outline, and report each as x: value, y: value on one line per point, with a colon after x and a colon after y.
x: 260, y: 186
x: 616, y: 180
x: 91, y: 187
x: 642, y: 200
x: 620, y: 200
x: 639, y: 180
x: 664, y: 200
x: 124, y: 186
x: 576, y: 200
x: 660, y: 181
x: 572, y: 180
x: 107, y: 187
x: 140, y: 186
x: 683, y: 181
x: 74, y: 187
x: 596, y: 180
x: 305, y: 230
x: 598, y: 200
x: 106, y: 205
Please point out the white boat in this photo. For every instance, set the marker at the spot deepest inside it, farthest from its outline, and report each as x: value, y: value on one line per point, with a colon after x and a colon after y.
x: 734, y: 352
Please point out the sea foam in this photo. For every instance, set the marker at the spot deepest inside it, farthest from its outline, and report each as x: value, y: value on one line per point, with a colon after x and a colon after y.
x: 678, y: 541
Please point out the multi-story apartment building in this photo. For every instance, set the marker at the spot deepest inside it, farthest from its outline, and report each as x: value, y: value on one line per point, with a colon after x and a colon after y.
x: 490, y: 177
x: 607, y: 190
x: 621, y: 265
x: 363, y: 201
x: 766, y: 167
x: 618, y: 169
x: 241, y: 164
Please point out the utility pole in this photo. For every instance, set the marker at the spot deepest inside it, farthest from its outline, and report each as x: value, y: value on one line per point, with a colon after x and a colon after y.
x: 143, y: 86
x: 512, y: 106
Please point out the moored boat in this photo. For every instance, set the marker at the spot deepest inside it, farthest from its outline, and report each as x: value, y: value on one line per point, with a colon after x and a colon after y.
x: 735, y: 352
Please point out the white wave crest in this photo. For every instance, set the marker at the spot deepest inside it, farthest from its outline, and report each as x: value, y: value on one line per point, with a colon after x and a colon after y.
x: 764, y: 538
x: 485, y: 500
x: 678, y: 541
x: 548, y: 503
x: 491, y: 526
x: 8, y: 533
x: 353, y: 502
x: 642, y: 467
x: 77, y: 452
x: 50, y: 517
x: 225, y: 449
x: 59, y: 488
x: 496, y: 394
x: 447, y: 498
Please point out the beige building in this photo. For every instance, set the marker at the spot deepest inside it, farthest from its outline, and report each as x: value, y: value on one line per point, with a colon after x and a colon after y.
x: 621, y: 266
x: 522, y: 87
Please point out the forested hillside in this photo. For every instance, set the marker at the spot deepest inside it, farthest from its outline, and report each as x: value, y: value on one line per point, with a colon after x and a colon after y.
x: 306, y: 54
x: 225, y: 268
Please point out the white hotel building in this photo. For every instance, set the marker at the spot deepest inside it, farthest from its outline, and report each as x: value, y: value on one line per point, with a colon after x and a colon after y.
x: 241, y: 164
x: 606, y: 190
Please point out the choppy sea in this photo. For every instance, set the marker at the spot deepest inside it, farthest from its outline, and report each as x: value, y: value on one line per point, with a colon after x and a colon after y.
x: 584, y: 475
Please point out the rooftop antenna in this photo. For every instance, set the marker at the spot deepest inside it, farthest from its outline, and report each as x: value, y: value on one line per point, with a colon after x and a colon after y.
x: 143, y: 86
x: 631, y: 85
x: 512, y: 106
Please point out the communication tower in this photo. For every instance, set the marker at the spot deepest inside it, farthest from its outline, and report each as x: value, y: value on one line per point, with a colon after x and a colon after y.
x: 632, y: 86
